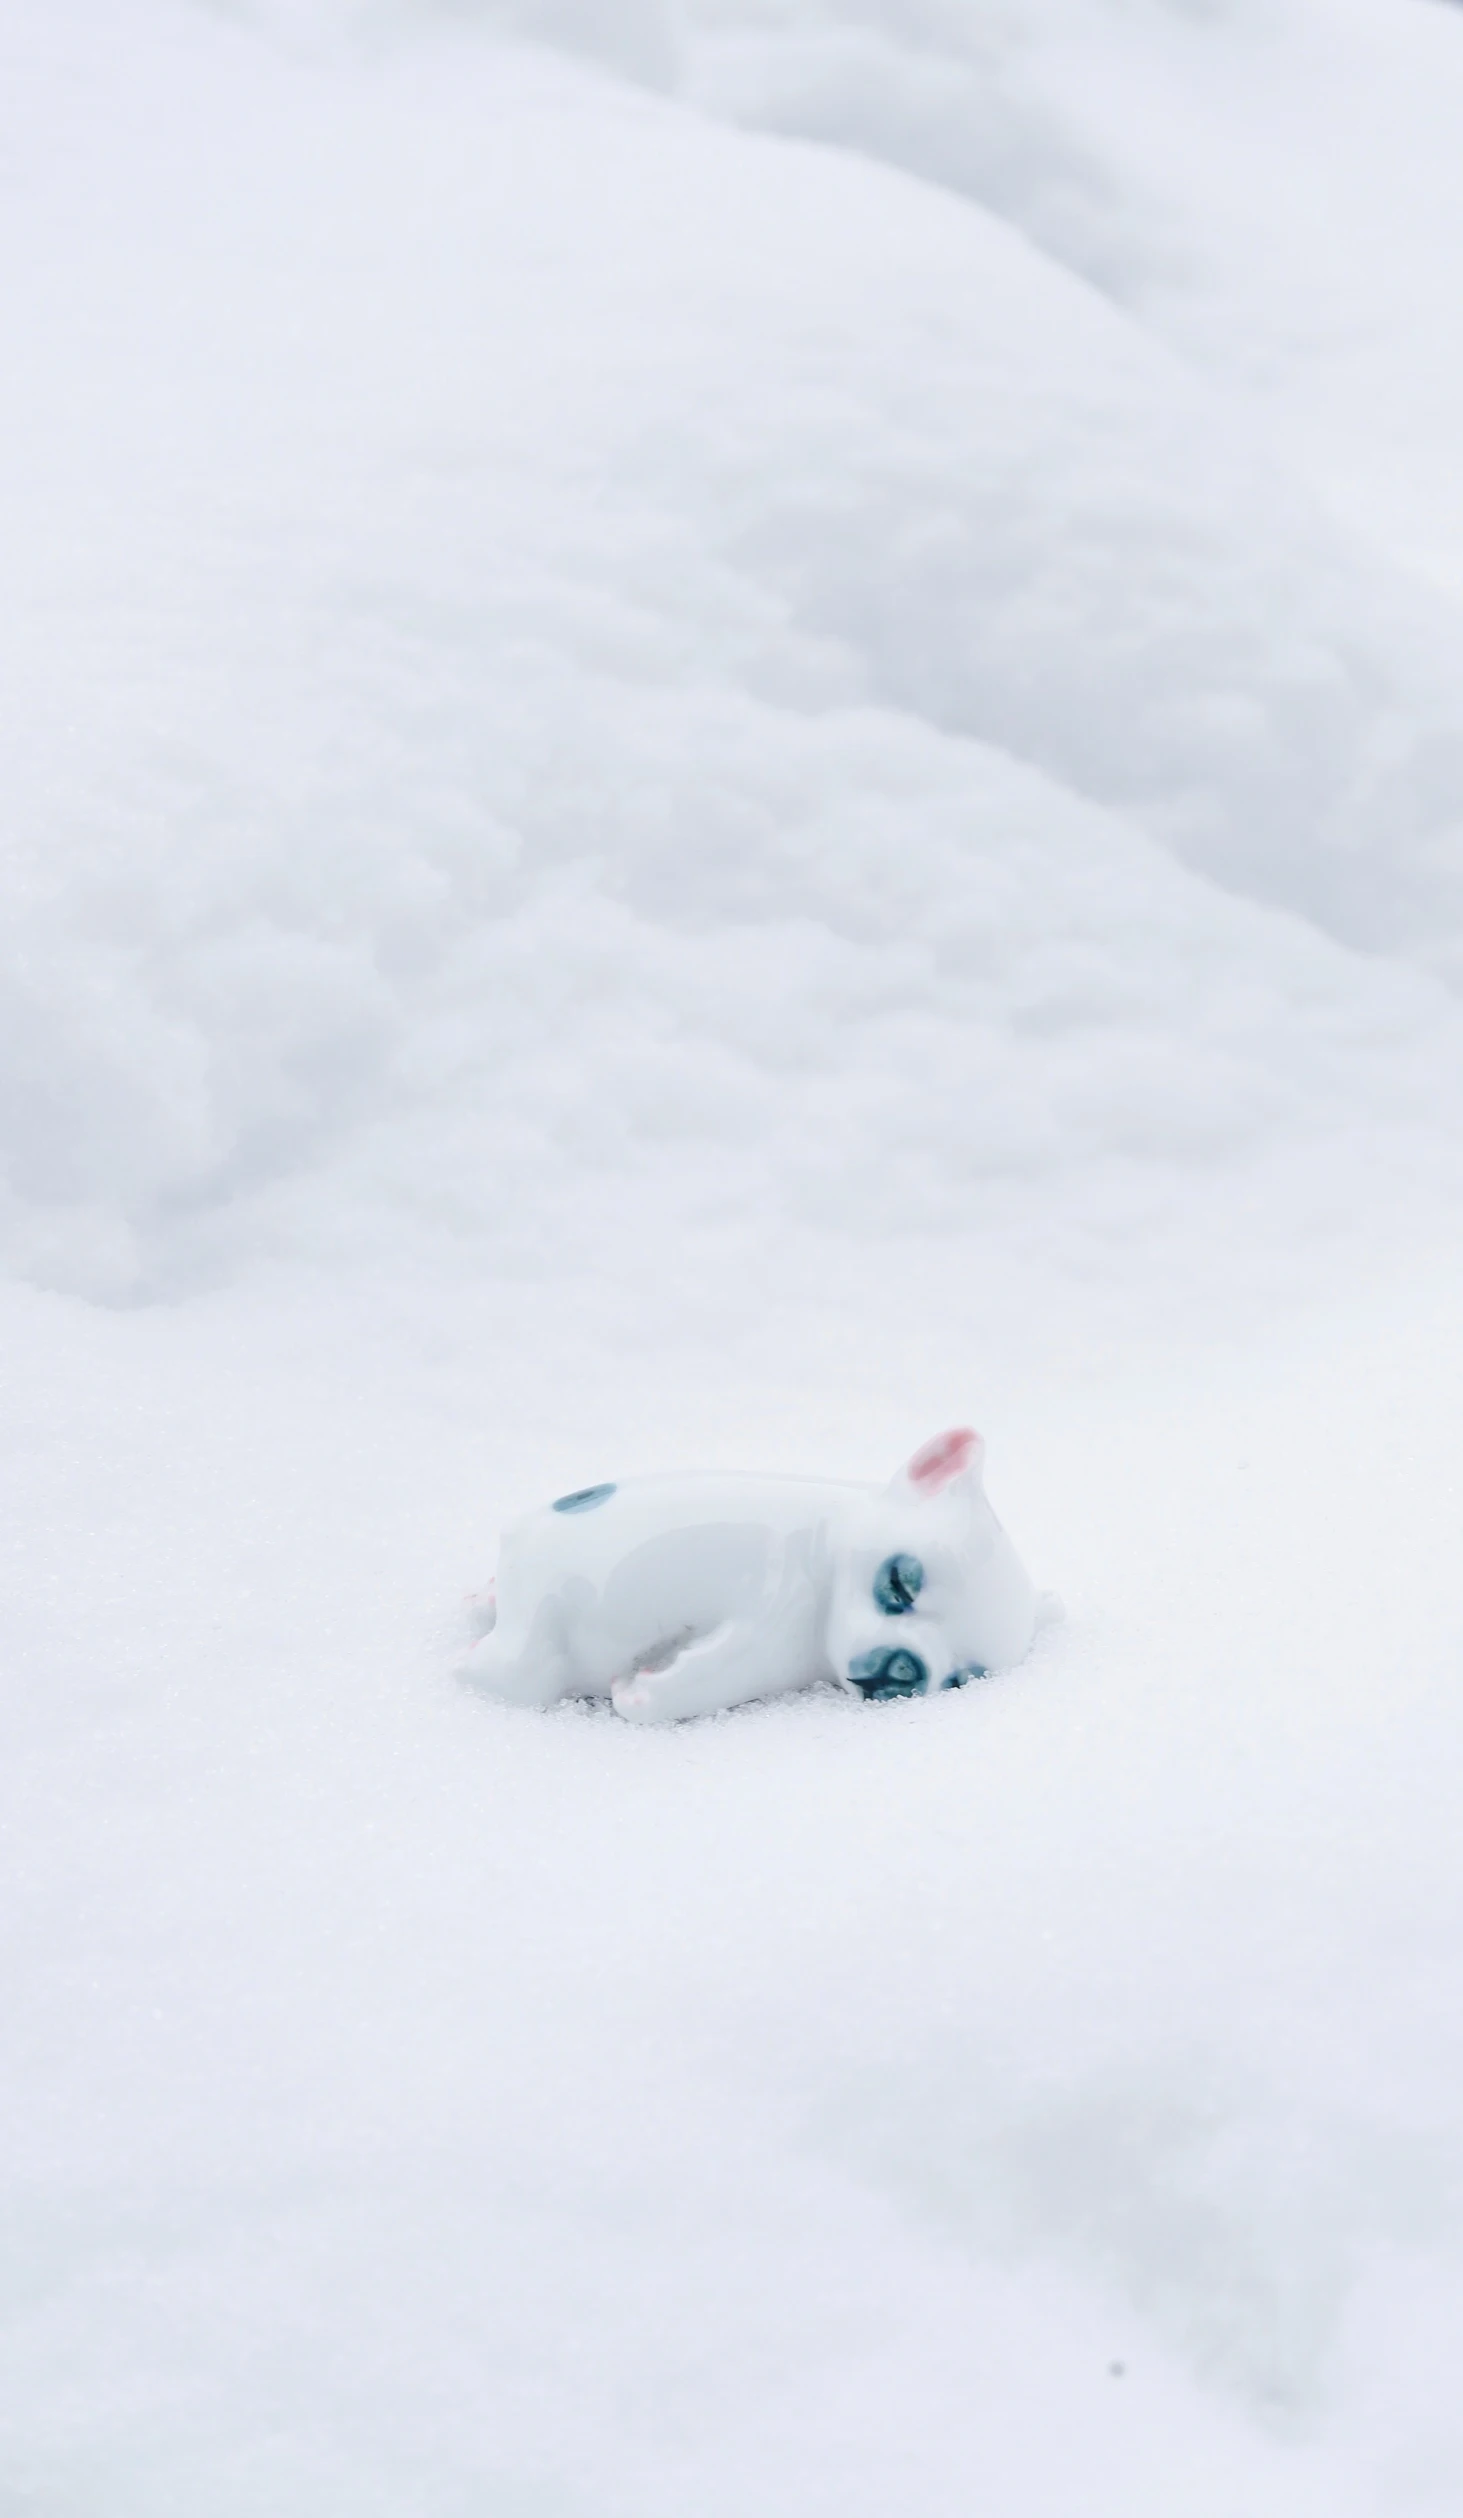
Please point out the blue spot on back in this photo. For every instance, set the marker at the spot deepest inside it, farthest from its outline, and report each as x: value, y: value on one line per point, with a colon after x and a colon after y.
x: 583, y: 1499
x: 898, y: 1584
x: 881, y: 1675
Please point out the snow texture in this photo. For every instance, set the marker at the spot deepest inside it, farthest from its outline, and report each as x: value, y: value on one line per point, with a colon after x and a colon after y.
x: 733, y: 727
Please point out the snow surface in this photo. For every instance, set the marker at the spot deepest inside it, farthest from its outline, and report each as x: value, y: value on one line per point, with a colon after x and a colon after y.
x: 733, y: 728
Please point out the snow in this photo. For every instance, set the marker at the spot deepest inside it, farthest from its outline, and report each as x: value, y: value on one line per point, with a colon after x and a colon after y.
x: 733, y: 731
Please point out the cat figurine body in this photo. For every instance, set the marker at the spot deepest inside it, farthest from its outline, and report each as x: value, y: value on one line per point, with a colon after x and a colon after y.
x: 675, y: 1596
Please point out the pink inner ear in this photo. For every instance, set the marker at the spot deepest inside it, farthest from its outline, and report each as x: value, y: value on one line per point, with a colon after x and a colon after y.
x: 937, y: 1462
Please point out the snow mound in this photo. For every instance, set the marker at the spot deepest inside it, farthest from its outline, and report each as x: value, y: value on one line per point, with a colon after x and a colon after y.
x: 621, y: 649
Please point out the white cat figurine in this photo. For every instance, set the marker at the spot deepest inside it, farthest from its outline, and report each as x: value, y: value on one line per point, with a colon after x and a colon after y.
x: 678, y: 1596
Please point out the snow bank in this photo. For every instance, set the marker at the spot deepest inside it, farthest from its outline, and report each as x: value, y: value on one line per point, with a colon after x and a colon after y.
x: 1275, y: 191
x: 621, y: 644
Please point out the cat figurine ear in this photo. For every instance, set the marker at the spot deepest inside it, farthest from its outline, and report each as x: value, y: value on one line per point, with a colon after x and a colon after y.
x: 938, y: 1464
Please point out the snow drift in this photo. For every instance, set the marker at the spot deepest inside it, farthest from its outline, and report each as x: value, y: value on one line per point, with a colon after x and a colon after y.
x: 621, y: 643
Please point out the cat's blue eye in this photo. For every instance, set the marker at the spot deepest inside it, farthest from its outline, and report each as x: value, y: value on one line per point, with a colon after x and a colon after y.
x: 898, y: 1584
x: 892, y: 1672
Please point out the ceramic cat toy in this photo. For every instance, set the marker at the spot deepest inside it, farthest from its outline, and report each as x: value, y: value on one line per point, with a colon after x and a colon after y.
x: 678, y: 1596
